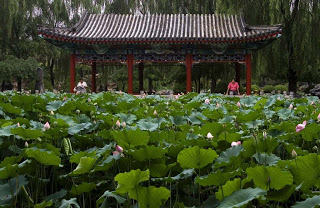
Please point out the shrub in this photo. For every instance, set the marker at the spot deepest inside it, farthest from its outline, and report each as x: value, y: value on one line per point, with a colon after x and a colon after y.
x: 268, y: 88
x: 221, y: 87
x: 281, y: 88
x: 255, y: 88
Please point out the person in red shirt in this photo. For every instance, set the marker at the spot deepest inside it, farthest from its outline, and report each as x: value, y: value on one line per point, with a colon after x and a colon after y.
x: 234, y: 87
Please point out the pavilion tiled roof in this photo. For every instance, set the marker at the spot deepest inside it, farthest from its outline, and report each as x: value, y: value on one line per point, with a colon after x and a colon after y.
x: 115, y: 28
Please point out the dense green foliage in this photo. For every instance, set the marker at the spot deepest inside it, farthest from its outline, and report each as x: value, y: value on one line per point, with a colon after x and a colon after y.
x: 293, y: 58
x: 173, y: 153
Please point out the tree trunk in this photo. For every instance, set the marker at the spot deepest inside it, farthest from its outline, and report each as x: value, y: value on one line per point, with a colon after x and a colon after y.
x: 19, y: 84
x: 2, y: 86
x: 213, y: 85
x: 150, y: 85
x: 51, y: 72
x: 39, y: 82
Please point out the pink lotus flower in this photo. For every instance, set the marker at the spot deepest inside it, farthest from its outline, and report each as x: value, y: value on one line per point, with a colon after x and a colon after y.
x: 300, y: 127
x: 294, y: 153
x: 318, y: 117
x: 47, y: 126
x: 155, y: 112
x: 209, y: 136
x: 18, y: 124
x: 64, y: 98
x: 114, y: 153
x: 207, y: 101
x: 238, y: 104
x: 89, y: 100
x: 235, y: 143
x: 218, y: 105
x: 120, y: 92
x: 290, y: 106
x: 312, y: 102
x: 124, y: 125
x: 278, y: 98
x: 118, y: 123
x: 119, y: 149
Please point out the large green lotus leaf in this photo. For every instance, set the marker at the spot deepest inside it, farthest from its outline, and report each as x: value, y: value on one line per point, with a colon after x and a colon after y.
x: 260, y: 104
x: 53, y: 105
x: 84, y: 166
x: 310, y: 203
x: 69, y: 203
x: 148, y: 153
x: 9, y: 190
x: 311, y: 132
x: 150, y: 196
x: 106, y: 163
x: 269, y: 177
x: 63, y: 119
x: 67, y: 108
x: 254, y: 124
x: 82, y: 188
x: 6, y: 131
x: 230, y: 187
x: 252, y: 116
x: 43, y: 156
x: 290, y: 146
x: 248, y: 101
x: 8, y: 171
x: 83, y: 118
x: 36, y: 125
x: 131, y: 138
x: 84, y: 107
x: 103, y: 200
x: 227, y: 119
x: 265, y: 159
x: 281, y: 195
x: 23, y: 101
x: 271, y: 101
x: 178, y: 120
x: 213, y: 114
x: 78, y: 128
x: 44, y: 204
x: 130, y: 180
x: 242, y: 197
x: 229, y: 156
x: 194, y: 120
x: 194, y: 157
x: 147, y: 125
x: 229, y: 137
x: 56, y: 196
x: 286, y: 113
x: 306, y: 170
x: 8, y: 108
x: 217, y: 179
x: 128, y: 118
x: 160, y: 170
x: 27, y: 133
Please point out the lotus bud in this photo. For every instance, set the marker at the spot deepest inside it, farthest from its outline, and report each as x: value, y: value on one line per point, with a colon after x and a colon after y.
x: 120, y: 92
x: 294, y: 153
x: 124, y: 125
x: 78, y: 111
x: 209, y: 136
x: 238, y: 104
x: 118, y: 123
x: 64, y: 98
x: 155, y: 112
x: 47, y: 126
x: 40, y: 115
x: 122, y: 155
x: 300, y: 127
x: 207, y: 101
x: 234, y: 144
x: 278, y: 98
x: 290, y: 106
x: 119, y: 149
x: 18, y: 124
x: 26, y: 144
x: 238, y: 143
x: 89, y: 100
x: 218, y: 105
x: 191, y: 130
x: 318, y: 117
x: 145, y: 112
x: 312, y: 102
x: 264, y: 134
x: 51, y: 113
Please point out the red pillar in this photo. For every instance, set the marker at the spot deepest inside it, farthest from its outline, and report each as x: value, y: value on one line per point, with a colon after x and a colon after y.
x: 93, y: 76
x: 141, y: 68
x: 237, y: 68
x: 130, y: 73
x: 189, y: 60
x: 248, y: 75
x: 72, y: 72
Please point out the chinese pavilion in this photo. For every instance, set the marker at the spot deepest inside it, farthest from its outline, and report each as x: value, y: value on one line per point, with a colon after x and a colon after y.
x: 172, y: 38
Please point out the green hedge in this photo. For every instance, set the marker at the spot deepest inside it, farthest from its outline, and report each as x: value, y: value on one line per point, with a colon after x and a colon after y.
x: 268, y: 88
x: 281, y: 88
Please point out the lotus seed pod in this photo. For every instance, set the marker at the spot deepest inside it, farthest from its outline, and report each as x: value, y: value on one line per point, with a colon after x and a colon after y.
x: 294, y: 153
x: 191, y: 130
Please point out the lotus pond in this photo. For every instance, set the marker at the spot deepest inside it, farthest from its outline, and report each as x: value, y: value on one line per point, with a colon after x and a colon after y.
x: 199, y: 150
